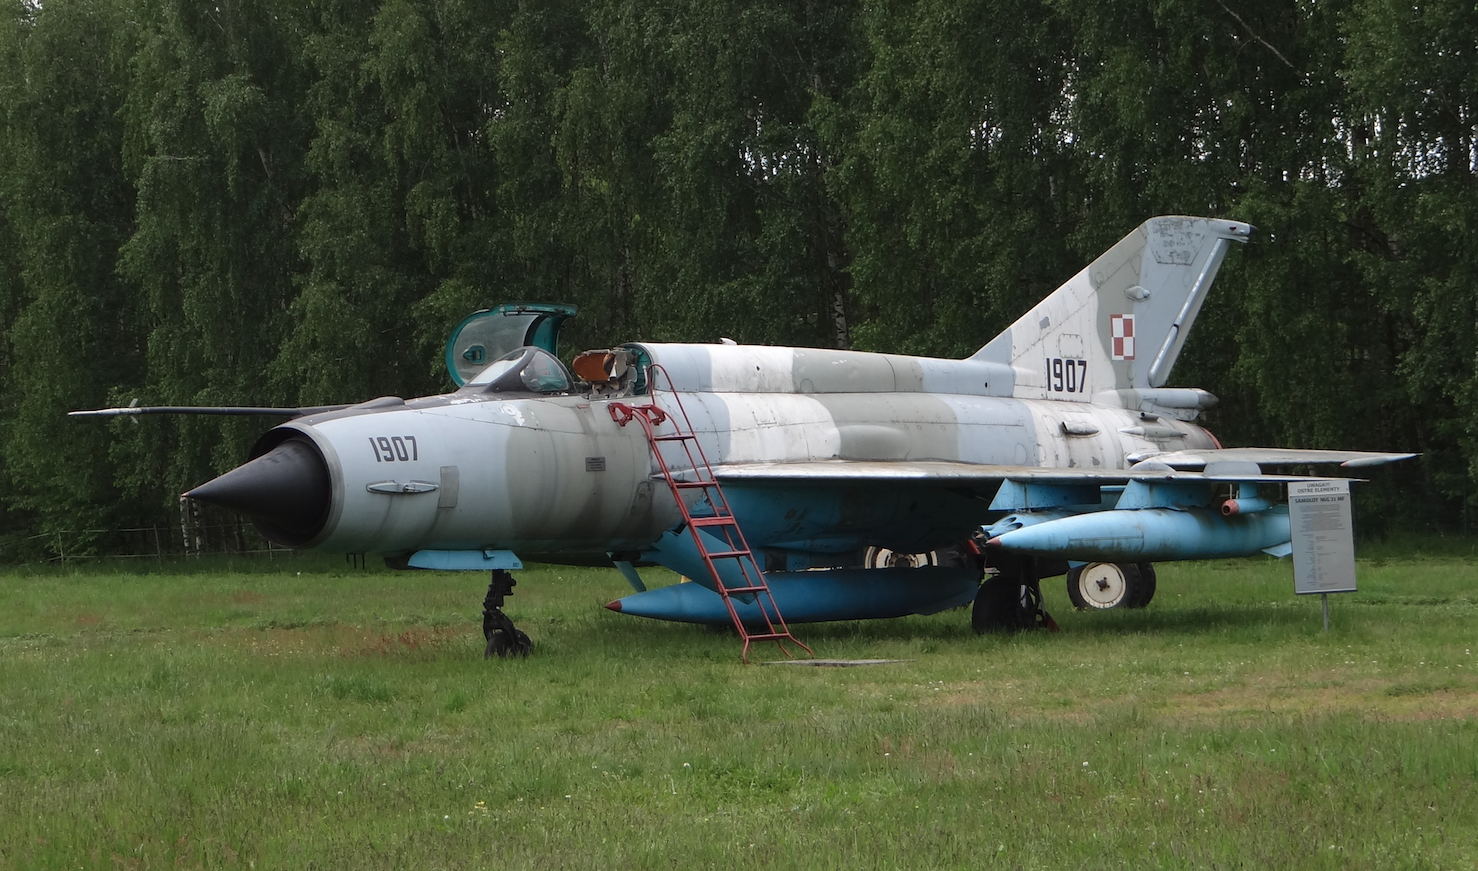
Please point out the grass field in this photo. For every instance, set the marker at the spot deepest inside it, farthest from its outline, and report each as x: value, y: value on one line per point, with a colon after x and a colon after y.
x: 302, y: 714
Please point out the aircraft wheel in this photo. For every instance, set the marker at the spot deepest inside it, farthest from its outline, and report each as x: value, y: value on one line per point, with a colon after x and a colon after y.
x: 1146, y: 585
x: 497, y: 645
x: 997, y: 605
x: 503, y: 645
x: 882, y: 558
x: 1101, y: 586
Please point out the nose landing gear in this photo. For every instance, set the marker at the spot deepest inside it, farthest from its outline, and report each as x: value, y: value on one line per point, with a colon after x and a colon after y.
x: 503, y: 638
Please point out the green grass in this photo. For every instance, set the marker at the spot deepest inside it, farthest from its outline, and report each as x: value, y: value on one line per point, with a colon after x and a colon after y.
x: 299, y: 713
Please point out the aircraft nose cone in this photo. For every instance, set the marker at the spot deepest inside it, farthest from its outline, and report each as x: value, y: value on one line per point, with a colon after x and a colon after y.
x: 286, y: 491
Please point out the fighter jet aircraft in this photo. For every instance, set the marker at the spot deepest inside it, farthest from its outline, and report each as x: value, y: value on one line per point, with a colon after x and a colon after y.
x: 820, y: 484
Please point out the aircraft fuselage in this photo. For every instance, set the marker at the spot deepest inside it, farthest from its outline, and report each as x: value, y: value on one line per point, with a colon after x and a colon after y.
x: 555, y: 474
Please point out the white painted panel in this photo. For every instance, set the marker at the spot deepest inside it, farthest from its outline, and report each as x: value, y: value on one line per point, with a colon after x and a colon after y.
x: 773, y: 428
x: 968, y: 377
x: 726, y: 368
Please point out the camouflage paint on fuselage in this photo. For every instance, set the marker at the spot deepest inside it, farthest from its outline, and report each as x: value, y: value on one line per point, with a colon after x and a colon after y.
x: 553, y: 473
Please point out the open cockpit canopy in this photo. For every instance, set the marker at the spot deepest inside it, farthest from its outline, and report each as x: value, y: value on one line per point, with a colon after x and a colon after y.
x: 493, y: 334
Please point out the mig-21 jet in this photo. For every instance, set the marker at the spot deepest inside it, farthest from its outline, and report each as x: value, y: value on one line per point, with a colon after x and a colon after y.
x: 803, y: 484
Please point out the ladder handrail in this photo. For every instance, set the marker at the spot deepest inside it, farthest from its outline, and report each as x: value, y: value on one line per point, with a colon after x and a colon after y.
x: 652, y: 415
x: 698, y: 464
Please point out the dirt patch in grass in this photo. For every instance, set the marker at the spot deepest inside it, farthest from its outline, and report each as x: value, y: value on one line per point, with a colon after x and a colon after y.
x: 272, y: 642
x: 412, y: 643
x: 1378, y: 699
x: 1254, y: 697
x: 344, y: 640
x: 442, y: 745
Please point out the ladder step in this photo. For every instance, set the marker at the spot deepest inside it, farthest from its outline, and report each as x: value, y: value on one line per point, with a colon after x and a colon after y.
x: 693, y: 485
x: 771, y: 636
x: 678, y: 437
x: 727, y: 520
x: 736, y: 591
x: 728, y: 554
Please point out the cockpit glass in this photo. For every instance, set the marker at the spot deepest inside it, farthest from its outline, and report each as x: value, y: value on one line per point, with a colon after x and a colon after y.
x: 544, y: 374
x: 491, y: 371
x: 527, y: 370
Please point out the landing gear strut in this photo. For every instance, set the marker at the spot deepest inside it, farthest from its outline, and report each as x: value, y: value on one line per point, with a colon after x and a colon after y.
x: 1012, y: 600
x: 502, y: 636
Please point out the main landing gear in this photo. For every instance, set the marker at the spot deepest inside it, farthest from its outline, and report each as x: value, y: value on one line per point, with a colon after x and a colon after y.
x: 503, y: 638
x: 1101, y: 586
x: 1011, y: 601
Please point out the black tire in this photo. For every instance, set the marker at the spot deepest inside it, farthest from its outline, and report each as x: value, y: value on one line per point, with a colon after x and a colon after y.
x: 1146, y: 585
x: 997, y: 605
x: 497, y: 645
x: 1104, y: 586
x: 502, y: 645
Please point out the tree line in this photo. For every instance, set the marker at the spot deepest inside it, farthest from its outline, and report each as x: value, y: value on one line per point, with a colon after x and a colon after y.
x: 290, y: 203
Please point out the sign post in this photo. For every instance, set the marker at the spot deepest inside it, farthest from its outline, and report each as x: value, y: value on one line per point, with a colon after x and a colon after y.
x: 1323, y: 539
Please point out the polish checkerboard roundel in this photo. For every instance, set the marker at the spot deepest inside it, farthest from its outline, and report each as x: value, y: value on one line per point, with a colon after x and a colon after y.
x: 1121, y: 331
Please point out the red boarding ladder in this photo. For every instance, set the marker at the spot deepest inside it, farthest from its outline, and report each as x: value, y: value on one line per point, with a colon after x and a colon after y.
x: 721, y: 524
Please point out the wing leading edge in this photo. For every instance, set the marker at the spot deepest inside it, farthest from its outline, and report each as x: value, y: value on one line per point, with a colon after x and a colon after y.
x: 1194, y: 464
x: 1271, y: 457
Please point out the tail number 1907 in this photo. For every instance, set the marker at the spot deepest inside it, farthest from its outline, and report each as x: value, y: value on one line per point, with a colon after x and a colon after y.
x: 1067, y: 375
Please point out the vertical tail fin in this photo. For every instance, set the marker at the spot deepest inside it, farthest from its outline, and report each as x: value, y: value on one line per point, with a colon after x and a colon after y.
x: 1120, y: 324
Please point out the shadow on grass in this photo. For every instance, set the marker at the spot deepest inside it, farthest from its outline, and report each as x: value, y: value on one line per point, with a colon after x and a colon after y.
x: 1193, y: 620
x: 954, y: 627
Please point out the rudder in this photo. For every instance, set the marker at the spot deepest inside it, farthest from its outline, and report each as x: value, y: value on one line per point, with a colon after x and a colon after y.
x: 1120, y: 323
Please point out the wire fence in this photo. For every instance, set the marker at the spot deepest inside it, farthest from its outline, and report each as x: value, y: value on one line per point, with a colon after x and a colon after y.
x: 201, y: 530
x: 146, y: 542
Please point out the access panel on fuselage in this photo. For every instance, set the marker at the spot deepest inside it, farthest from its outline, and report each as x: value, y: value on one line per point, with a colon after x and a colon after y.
x: 575, y: 477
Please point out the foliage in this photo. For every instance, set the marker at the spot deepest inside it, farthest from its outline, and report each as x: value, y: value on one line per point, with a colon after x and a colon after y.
x: 73, y: 327
x: 291, y: 203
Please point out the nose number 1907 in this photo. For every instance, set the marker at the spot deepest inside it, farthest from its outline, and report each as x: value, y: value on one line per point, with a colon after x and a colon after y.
x: 395, y: 449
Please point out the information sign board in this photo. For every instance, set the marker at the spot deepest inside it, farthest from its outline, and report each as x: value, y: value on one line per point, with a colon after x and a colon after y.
x: 1323, y: 537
